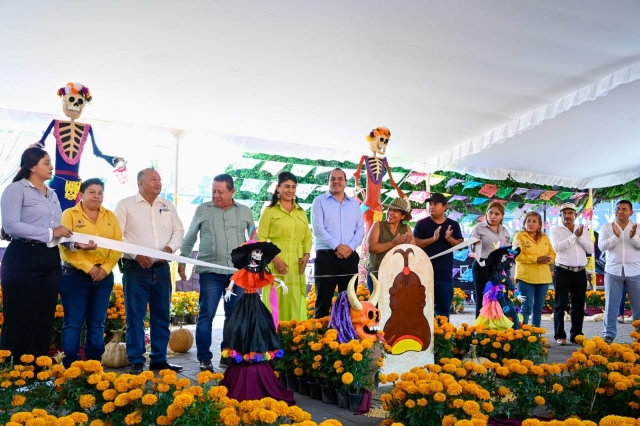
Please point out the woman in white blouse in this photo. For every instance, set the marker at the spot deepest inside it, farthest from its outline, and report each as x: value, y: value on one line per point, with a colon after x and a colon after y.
x: 492, y: 235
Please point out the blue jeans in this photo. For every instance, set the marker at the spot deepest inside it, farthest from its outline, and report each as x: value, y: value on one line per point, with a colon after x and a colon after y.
x: 535, y: 295
x: 83, y: 300
x: 613, y: 287
x: 212, y: 288
x: 144, y: 286
x: 443, y: 297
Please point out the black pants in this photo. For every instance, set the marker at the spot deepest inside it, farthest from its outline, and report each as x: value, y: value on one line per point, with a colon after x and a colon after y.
x: 480, y: 278
x: 327, y: 263
x: 30, y: 277
x: 569, y: 283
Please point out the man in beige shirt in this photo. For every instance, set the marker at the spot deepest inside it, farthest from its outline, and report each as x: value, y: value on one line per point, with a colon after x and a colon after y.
x: 148, y: 221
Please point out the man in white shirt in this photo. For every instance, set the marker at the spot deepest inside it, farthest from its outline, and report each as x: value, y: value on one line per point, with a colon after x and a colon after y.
x: 149, y: 221
x: 621, y: 242
x: 572, y: 244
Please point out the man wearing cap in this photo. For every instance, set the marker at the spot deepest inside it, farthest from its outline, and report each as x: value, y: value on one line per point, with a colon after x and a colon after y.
x: 222, y: 224
x: 572, y: 244
x: 621, y: 242
x: 434, y: 235
x: 338, y: 229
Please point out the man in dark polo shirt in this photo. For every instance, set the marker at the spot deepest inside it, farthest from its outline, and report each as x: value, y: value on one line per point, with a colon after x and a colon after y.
x: 434, y: 235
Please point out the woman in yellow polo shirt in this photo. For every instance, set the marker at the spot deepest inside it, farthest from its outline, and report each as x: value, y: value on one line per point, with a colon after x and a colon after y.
x: 87, y: 279
x: 533, y: 274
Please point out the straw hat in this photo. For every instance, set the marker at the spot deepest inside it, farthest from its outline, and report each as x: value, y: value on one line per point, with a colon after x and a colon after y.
x: 401, y: 204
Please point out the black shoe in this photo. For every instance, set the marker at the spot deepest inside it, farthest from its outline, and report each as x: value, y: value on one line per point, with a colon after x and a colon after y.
x: 608, y: 339
x: 206, y: 365
x: 164, y: 365
x: 224, y: 362
x: 136, y: 368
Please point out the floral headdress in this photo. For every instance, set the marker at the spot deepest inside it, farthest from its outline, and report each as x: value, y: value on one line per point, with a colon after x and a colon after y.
x: 377, y: 132
x: 76, y: 89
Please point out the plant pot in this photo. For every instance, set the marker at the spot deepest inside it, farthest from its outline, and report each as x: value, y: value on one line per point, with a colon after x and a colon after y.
x: 177, y: 320
x: 283, y: 379
x: 303, y: 386
x: 192, y: 319
x: 329, y: 395
x: 292, y: 382
x: 593, y: 311
x: 343, y: 398
x: 355, y: 399
x: 316, y: 391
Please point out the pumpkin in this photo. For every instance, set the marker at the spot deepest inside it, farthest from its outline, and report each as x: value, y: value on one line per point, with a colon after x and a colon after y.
x: 473, y: 357
x: 115, y: 352
x: 180, y: 340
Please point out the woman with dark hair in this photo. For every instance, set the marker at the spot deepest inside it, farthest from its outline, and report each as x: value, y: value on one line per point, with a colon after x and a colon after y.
x: 492, y: 235
x: 87, y: 281
x: 285, y: 224
x: 30, y: 272
x: 533, y: 274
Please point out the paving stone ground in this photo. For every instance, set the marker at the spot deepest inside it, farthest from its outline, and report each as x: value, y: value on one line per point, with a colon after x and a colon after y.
x: 321, y: 411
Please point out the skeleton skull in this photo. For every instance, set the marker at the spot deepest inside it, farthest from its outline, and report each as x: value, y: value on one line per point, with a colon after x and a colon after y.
x: 365, y: 317
x: 378, y: 140
x: 73, y: 104
x: 256, y: 255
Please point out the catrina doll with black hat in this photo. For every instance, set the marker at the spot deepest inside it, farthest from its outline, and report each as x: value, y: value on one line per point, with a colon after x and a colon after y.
x: 251, y: 329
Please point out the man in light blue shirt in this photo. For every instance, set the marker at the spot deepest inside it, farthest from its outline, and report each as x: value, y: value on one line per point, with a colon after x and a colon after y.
x: 338, y: 229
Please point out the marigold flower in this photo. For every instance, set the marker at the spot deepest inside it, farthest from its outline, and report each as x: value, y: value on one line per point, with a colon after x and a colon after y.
x: 539, y: 400
x: 133, y: 418
x: 357, y: 356
x: 87, y: 401
x: 347, y: 378
x: 27, y: 359
x: 79, y: 418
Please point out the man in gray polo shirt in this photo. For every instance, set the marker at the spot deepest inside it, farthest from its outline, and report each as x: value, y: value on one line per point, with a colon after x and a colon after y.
x: 221, y: 223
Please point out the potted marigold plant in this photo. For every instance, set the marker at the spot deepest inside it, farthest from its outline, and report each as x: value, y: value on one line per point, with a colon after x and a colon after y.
x: 549, y: 301
x: 594, y: 300
x: 459, y: 299
x: 179, y: 307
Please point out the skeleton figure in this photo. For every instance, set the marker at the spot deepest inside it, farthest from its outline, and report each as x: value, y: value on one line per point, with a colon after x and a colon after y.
x: 376, y: 168
x: 70, y: 137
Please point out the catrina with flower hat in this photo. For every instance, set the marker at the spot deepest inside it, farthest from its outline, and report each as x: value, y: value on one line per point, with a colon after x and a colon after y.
x: 251, y: 330
x: 70, y: 137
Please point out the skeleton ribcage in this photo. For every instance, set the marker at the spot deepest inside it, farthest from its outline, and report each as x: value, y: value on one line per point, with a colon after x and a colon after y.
x: 70, y: 136
x: 375, y: 164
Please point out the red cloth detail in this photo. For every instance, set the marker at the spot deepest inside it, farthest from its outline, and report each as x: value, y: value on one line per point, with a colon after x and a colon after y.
x: 406, y: 270
x: 254, y: 381
x: 365, y: 405
x: 251, y: 281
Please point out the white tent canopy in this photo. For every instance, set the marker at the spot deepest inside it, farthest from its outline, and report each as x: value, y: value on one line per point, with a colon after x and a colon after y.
x: 546, y: 91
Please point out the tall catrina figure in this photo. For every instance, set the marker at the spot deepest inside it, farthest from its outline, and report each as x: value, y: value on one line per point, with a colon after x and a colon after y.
x: 70, y: 138
x: 251, y: 332
x: 376, y: 167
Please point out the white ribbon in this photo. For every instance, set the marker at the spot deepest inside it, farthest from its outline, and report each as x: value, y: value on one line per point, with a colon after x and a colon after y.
x: 462, y: 245
x: 133, y: 249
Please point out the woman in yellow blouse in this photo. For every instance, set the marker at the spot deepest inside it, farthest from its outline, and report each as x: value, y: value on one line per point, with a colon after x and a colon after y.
x: 286, y: 225
x: 533, y: 274
x: 87, y: 280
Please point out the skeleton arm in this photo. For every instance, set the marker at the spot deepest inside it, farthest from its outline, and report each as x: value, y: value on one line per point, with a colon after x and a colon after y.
x: 229, y: 291
x: 356, y: 175
x: 392, y: 182
x: 96, y: 151
x: 285, y: 289
x: 40, y: 143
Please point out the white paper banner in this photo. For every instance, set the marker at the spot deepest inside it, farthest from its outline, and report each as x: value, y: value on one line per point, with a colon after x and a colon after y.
x: 305, y: 206
x: 349, y: 173
x: 245, y: 163
x: 301, y: 170
x: 304, y: 189
x: 252, y: 185
x: 322, y: 169
x: 273, y: 167
x: 272, y: 187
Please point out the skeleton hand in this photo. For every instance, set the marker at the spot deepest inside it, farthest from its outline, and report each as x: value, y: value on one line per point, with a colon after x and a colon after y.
x: 358, y: 190
x: 282, y: 285
x: 227, y: 294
